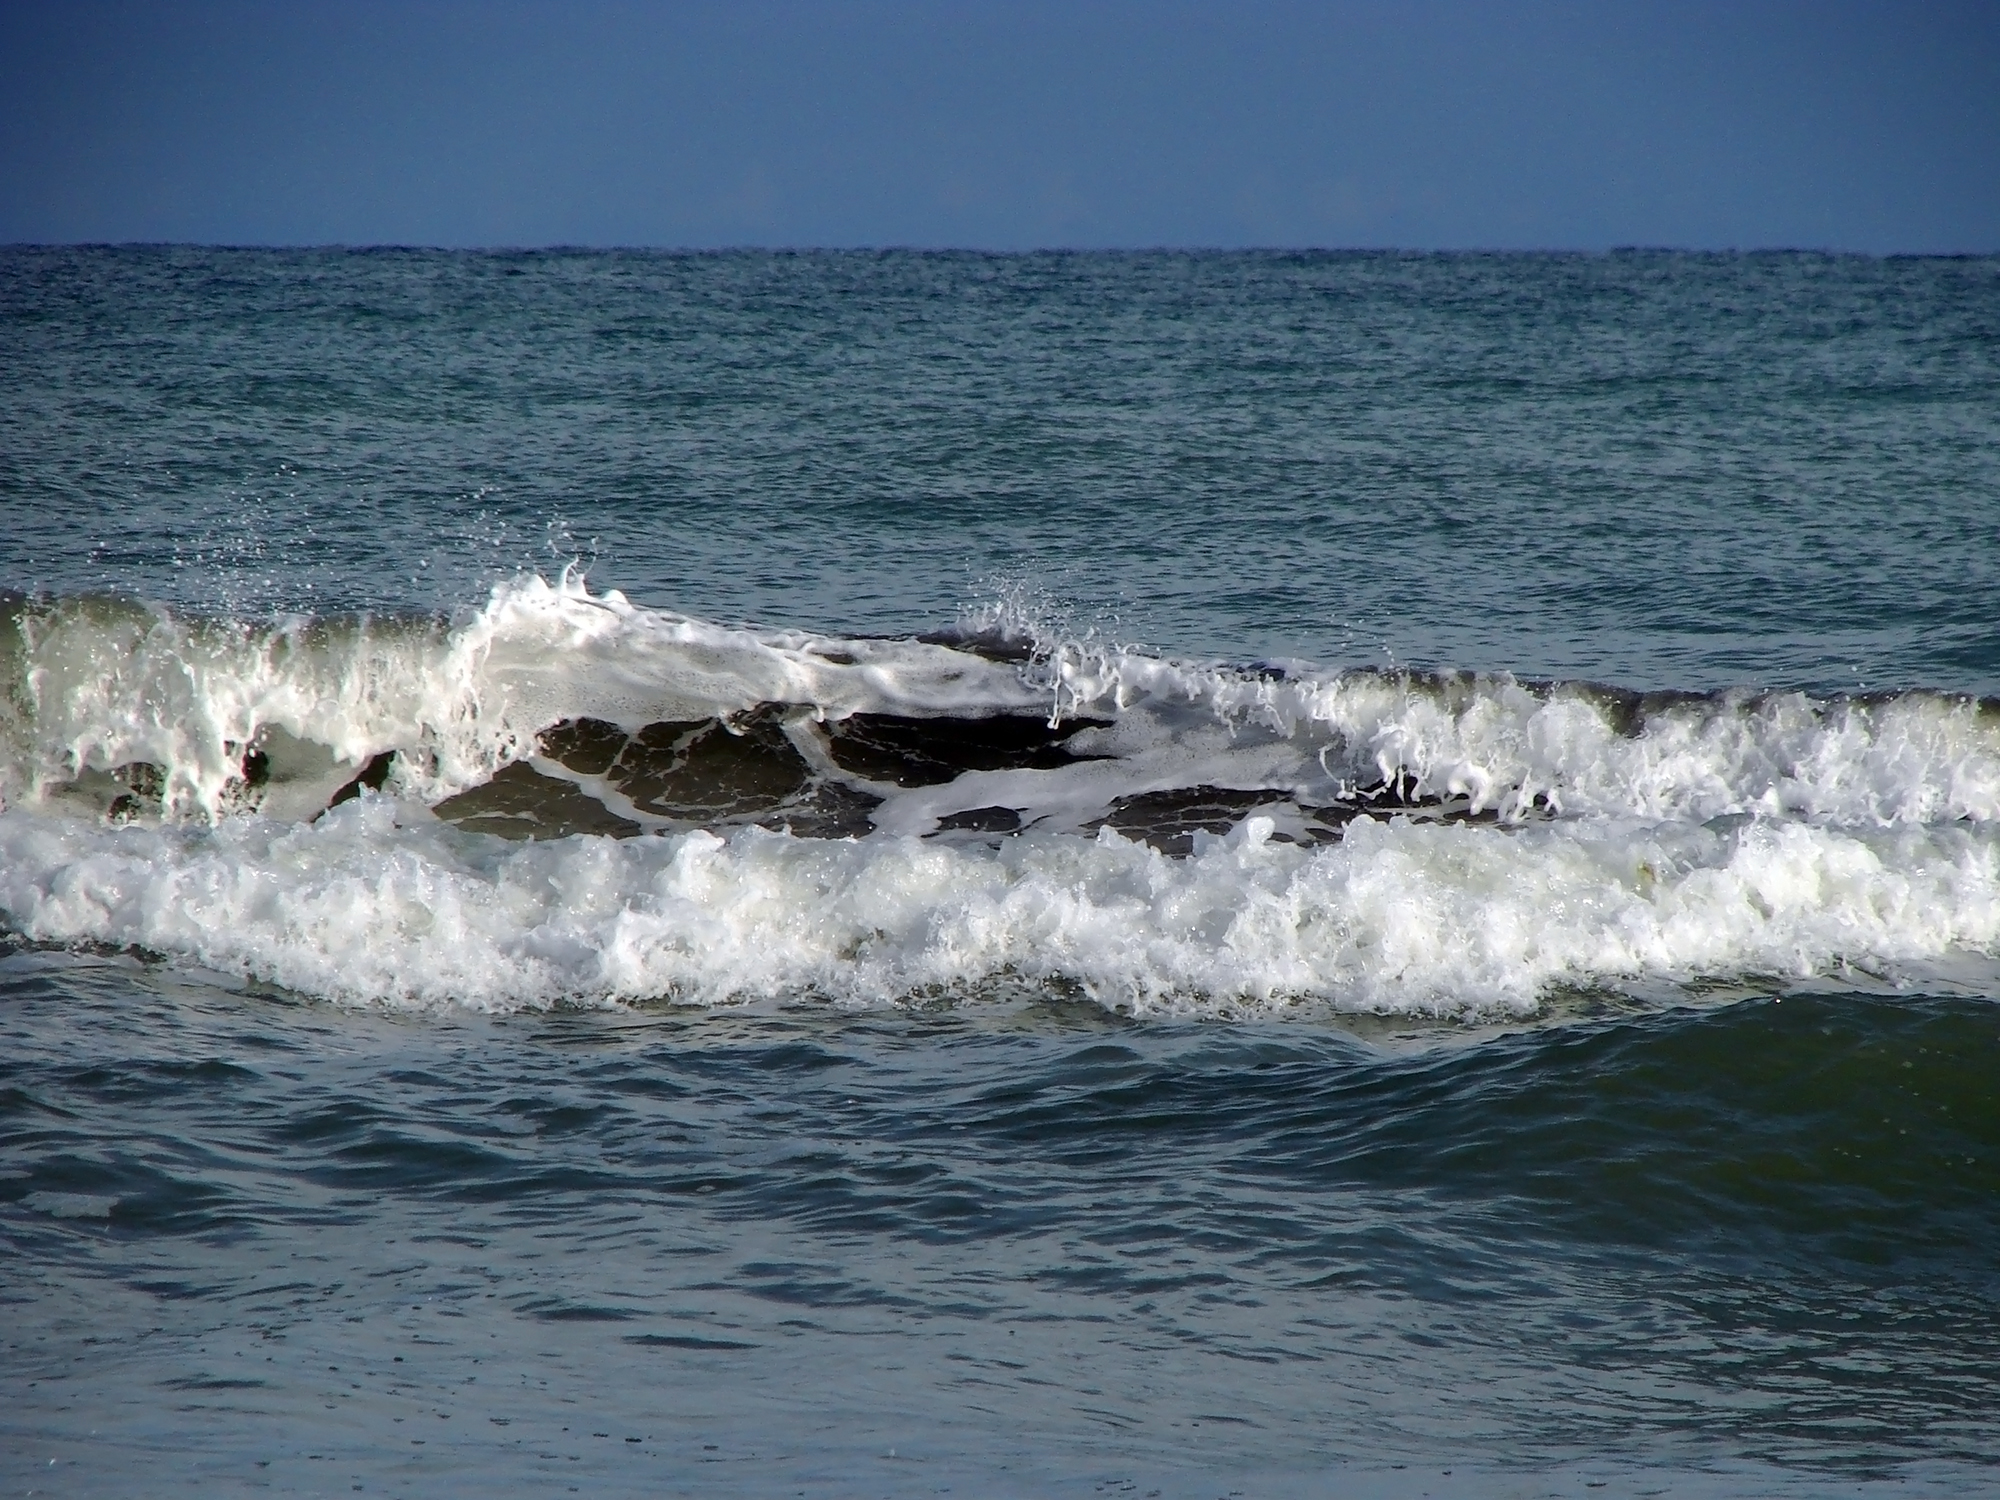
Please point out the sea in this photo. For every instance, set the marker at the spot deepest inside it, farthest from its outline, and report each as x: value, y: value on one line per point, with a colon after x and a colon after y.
x: 891, y: 874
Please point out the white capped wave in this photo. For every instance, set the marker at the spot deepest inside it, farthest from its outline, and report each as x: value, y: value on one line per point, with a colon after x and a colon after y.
x: 99, y: 687
x: 378, y: 903
x: 1510, y: 747
x: 1630, y: 839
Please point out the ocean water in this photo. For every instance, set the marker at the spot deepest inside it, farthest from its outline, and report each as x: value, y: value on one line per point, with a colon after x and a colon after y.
x: 890, y: 874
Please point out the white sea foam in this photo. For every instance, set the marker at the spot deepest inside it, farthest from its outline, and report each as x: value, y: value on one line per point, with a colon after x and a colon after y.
x: 1915, y: 758
x: 1635, y: 842
x: 376, y: 903
x: 99, y: 687
x: 104, y: 686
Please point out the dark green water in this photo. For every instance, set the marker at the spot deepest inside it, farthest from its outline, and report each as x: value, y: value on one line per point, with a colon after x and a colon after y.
x: 1633, y: 1131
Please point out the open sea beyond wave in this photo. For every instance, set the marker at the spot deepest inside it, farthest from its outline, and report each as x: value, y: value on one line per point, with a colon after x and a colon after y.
x: 843, y: 874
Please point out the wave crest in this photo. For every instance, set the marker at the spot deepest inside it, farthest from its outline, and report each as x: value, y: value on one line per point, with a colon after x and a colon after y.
x: 870, y: 820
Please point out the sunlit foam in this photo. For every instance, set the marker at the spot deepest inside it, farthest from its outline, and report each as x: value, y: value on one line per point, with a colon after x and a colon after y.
x: 979, y: 810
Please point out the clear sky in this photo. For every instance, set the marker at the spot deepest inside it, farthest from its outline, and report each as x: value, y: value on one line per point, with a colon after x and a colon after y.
x: 1006, y: 124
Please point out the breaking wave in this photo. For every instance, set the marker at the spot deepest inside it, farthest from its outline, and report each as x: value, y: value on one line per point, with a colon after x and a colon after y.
x: 563, y: 797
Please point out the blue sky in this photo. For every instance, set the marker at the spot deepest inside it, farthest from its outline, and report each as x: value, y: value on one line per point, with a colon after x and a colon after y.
x: 1003, y: 125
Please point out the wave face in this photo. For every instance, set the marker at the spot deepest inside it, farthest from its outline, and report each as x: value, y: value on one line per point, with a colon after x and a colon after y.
x: 563, y: 797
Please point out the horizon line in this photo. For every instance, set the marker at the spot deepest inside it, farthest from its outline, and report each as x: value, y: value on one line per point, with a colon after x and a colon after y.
x: 886, y: 247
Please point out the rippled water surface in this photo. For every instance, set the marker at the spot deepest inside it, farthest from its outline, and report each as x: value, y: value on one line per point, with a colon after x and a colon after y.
x: 1057, y: 1008
x: 1664, y: 470
x: 1037, y: 1244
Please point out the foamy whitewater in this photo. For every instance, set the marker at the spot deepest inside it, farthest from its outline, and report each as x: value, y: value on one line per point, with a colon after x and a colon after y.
x: 1214, y: 840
